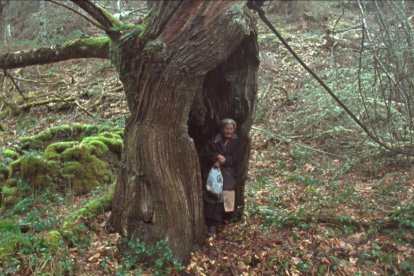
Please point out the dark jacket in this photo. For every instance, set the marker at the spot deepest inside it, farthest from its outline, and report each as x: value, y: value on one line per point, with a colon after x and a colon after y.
x: 216, y: 146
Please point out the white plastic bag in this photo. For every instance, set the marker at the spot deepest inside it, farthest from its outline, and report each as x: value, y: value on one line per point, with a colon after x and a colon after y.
x: 215, y: 182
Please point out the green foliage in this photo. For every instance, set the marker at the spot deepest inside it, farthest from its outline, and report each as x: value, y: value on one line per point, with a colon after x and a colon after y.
x: 159, y: 258
x: 39, y: 250
x: 404, y: 216
x: 33, y: 237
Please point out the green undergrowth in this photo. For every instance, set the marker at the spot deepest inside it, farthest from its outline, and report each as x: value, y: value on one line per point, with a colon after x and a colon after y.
x: 68, y: 159
x: 35, y: 237
x: 39, y: 177
x: 137, y: 258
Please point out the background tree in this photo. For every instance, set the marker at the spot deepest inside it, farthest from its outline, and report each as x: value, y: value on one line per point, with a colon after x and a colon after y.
x: 182, y: 72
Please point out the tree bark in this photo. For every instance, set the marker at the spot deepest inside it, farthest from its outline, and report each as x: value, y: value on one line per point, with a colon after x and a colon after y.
x: 93, y: 47
x: 187, y: 51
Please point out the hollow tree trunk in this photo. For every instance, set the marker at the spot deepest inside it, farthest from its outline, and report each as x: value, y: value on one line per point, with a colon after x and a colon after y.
x: 177, y: 65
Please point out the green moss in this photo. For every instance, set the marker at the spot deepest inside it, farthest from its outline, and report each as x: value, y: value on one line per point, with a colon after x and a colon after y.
x: 4, y: 172
x: 54, y: 150
x: 112, y: 140
x: 88, y: 130
x: 76, y: 164
x: 13, y: 167
x: 10, y: 244
x: 11, y: 154
x: 73, y: 224
x: 73, y: 132
x: 78, y: 152
x: 80, y: 167
x: 86, y: 173
x: 35, y: 171
x: 92, y: 207
x: 53, y: 239
x: 119, y: 131
x: 146, y: 22
x: 10, y: 195
x: 114, y: 21
x: 87, y: 41
x: 96, y: 147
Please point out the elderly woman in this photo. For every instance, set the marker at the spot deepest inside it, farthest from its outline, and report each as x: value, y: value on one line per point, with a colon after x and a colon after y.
x: 222, y: 152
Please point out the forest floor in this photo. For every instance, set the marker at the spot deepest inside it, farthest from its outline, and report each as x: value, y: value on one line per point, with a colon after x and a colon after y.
x: 311, y: 207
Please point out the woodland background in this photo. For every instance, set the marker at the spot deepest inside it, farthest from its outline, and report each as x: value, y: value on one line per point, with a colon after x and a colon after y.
x: 322, y: 197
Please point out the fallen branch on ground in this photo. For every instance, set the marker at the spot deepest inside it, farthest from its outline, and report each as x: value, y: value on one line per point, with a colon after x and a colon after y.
x: 14, y: 110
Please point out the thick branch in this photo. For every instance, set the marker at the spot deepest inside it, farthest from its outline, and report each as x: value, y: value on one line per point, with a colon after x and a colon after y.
x: 97, y: 47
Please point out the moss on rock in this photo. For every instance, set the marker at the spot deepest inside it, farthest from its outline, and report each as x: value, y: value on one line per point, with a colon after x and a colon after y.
x: 35, y: 171
x: 95, y: 147
x: 73, y: 132
x: 10, y: 194
x: 54, y: 150
x: 53, y: 239
x: 72, y: 158
x: 8, y: 153
x: 112, y: 140
x: 4, y: 172
x: 13, y: 167
x: 85, y: 173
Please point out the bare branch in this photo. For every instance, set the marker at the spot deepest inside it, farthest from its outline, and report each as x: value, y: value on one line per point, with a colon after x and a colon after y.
x: 7, y: 74
x: 97, y: 47
x: 254, y: 5
x: 75, y: 11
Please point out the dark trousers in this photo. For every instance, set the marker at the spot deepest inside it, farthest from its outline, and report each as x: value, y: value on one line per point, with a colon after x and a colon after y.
x: 213, y: 213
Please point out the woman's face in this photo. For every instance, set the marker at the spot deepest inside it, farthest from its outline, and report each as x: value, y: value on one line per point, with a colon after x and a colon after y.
x: 228, y: 130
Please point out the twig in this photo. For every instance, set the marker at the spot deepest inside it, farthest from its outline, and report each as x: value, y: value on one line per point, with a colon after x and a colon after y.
x: 27, y: 80
x: 86, y: 111
x: 81, y: 107
x: 7, y: 74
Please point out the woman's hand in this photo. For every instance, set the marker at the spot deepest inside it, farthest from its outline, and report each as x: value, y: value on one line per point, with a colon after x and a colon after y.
x: 221, y: 159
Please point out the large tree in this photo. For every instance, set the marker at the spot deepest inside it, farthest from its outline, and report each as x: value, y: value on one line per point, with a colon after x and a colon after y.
x: 189, y: 64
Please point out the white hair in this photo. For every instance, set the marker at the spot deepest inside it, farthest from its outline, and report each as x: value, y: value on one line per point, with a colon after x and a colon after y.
x: 226, y: 122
